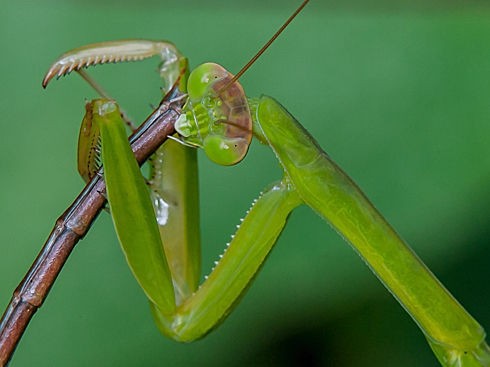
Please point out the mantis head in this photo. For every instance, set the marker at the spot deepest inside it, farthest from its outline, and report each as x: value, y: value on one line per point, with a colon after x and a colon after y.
x: 216, y: 116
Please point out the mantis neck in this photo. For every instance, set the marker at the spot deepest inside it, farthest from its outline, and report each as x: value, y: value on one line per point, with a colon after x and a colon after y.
x: 253, y: 104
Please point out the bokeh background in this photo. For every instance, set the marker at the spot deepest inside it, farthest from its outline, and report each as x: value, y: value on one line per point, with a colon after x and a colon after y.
x: 397, y: 93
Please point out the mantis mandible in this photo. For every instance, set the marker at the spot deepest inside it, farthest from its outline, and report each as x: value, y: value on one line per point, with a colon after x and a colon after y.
x: 267, y: 135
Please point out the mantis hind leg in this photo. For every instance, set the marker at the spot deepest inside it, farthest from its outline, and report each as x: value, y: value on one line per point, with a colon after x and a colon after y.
x: 452, y: 333
x: 236, y: 268
x: 173, y: 181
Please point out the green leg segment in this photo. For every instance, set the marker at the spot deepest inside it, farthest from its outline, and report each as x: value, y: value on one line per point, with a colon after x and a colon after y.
x: 238, y: 266
x: 452, y: 333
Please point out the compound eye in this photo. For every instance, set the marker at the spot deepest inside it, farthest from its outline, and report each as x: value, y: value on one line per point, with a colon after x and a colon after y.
x: 202, y: 78
x: 225, y: 151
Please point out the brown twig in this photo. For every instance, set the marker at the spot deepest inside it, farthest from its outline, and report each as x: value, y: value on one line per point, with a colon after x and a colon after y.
x: 73, y: 224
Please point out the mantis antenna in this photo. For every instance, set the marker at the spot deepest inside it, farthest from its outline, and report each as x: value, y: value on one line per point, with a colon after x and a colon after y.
x: 265, y: 47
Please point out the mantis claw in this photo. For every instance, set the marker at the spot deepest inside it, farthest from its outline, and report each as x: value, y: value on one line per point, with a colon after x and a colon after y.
x: 113, y: 52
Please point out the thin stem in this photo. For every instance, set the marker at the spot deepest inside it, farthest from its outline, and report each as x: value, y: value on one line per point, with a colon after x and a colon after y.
x: 72, y: 225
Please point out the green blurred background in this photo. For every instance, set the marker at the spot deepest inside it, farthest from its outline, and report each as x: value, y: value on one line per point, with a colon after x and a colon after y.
x: 397, y: 94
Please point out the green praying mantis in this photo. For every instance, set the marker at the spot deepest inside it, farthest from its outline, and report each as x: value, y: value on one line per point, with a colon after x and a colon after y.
x: 310, y: 178
x: 158, y: 232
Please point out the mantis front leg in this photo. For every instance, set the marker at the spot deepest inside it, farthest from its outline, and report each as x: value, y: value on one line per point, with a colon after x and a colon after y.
x: 177, y: 209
